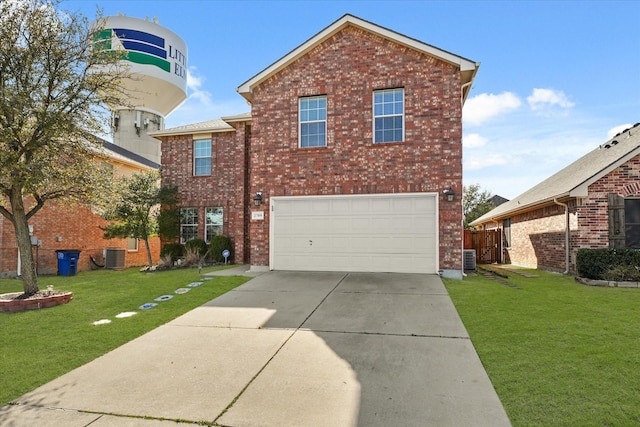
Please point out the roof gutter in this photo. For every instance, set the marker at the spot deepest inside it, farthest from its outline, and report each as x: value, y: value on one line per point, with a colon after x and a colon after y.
x: 567, y: 249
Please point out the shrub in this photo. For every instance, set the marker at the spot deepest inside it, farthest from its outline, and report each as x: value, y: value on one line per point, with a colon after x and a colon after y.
x: 172, y: 250
x: 623, y: 273
x: 219, y: 244
x: 196, y: 245
x: 166, y: 262
x: 596, y: 263
x: 192, y: 256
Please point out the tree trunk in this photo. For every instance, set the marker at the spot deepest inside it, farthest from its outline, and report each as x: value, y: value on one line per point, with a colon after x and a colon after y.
x: 149, y: 258
x: 21, y: 227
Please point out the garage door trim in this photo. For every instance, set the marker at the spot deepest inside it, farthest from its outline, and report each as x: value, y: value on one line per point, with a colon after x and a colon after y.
x: 275, y: 199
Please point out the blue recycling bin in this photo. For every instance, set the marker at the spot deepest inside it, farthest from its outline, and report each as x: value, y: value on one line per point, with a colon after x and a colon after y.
x: 67, y: 261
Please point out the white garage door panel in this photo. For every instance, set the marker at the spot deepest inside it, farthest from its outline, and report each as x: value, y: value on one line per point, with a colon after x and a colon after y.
x: 378, y: 233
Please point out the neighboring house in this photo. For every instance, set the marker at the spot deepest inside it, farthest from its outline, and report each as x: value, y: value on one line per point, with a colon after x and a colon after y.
x: 59, y: 226
x: 497, y: 200
x: 592, y: 203
x: 344, y: 163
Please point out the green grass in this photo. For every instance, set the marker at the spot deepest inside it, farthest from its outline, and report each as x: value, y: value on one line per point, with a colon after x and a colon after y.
x: 38, y: 346
x: 558, y: 353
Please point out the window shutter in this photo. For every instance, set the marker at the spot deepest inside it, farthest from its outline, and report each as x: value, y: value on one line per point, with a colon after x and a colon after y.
x: 616, y: 221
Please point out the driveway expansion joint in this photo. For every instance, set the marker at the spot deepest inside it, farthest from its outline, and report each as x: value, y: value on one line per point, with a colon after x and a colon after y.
x: 389, y: 334
x: 225, y: 410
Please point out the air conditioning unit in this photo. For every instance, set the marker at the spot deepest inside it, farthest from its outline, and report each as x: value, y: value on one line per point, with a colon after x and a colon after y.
x: 114, y: 258
x: 469, y: 259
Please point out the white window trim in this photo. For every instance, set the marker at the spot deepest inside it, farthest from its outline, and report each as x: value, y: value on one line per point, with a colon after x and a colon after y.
x: 373, y: 110
x: 137, y: 244
x: 182, y: 240
x: 207, y: 238
x: 202, y: 157
x: 312, y: 121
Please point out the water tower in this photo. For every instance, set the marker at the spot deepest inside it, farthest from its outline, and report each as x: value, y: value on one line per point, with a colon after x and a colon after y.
x: 157, y: 61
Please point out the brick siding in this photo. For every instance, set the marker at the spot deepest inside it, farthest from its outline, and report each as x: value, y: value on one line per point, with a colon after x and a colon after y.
x: 79, y: 229
x: 538, y: 237
x: 225, y: 187
x: 347, y: 68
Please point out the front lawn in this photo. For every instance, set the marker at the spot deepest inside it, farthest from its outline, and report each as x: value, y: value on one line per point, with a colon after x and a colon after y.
x: 558, y: 353
x: 38, y: 346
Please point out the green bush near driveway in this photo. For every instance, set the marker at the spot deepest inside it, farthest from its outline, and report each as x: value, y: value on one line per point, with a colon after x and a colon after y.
x: 38, y: 346
x: 558, y: 353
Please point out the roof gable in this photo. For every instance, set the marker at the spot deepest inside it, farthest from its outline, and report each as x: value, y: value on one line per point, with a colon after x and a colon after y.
x: 574, y: 180
x: 467, y: 67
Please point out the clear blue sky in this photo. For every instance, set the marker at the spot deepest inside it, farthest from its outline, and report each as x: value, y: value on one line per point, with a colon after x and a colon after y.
x: 555, y: 77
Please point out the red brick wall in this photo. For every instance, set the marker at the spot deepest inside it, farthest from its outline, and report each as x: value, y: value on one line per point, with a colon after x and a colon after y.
x: 225, y: 187
x: 347, y: 68
x: 593, y: 211
x: 79, y: 229
x: 538, y: 238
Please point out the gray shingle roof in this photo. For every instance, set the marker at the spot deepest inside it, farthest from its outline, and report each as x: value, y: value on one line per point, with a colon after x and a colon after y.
x: 573, y: 180
x: 215, y: 125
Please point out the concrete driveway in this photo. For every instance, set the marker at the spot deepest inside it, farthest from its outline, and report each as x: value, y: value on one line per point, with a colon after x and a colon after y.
x: 287, y: 349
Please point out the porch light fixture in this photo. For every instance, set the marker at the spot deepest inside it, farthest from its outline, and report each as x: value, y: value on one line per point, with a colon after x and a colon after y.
x: 257, y: 199
x: 449, y: 193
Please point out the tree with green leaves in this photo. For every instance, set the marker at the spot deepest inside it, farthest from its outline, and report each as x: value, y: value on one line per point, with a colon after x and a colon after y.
x: 55, y: 91
x: 135, y: 213
x: 475, y: 203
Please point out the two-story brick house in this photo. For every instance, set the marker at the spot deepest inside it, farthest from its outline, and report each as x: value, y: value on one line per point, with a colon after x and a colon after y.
x: 350, y: 160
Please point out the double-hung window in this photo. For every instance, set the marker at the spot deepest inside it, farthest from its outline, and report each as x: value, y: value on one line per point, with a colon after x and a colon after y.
x: 213, y: 223
x: 202, y: 157
x: 388, y: 115
x: 188, y: 224
x: 313, y: 121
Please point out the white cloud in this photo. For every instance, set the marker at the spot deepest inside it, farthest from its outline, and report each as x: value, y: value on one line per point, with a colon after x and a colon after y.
x: 616, y: 130
x: 194, y: 85
x: 483, y: 107
x: 201, y: 105
x: 542, y: 99
x: 485, y: 161
x: 474, y: 140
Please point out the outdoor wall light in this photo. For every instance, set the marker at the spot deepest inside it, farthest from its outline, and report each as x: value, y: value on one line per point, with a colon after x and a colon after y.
x: 257, y: 199
x: 449, y: 193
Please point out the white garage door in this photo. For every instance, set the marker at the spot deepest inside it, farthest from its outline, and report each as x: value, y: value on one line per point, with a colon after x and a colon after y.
x: 377, y: 233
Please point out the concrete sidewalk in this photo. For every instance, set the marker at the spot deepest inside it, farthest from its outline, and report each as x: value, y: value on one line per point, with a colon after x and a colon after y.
x: 286, y: 349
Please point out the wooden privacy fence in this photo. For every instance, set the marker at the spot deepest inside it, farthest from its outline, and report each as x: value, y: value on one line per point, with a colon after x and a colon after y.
x: 487, y: 243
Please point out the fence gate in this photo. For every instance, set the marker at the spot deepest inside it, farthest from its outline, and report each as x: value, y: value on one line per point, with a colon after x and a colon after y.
x: 487, y: 243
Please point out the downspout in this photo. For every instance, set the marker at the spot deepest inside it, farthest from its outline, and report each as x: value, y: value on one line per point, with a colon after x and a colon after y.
x: 501, y: 240
x: 461, y: 105
x: 567, y: 249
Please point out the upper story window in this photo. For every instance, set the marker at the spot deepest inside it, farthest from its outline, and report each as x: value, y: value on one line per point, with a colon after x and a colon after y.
x: 202, y: 157
x: 313, y: 121
x: 388, y: 115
